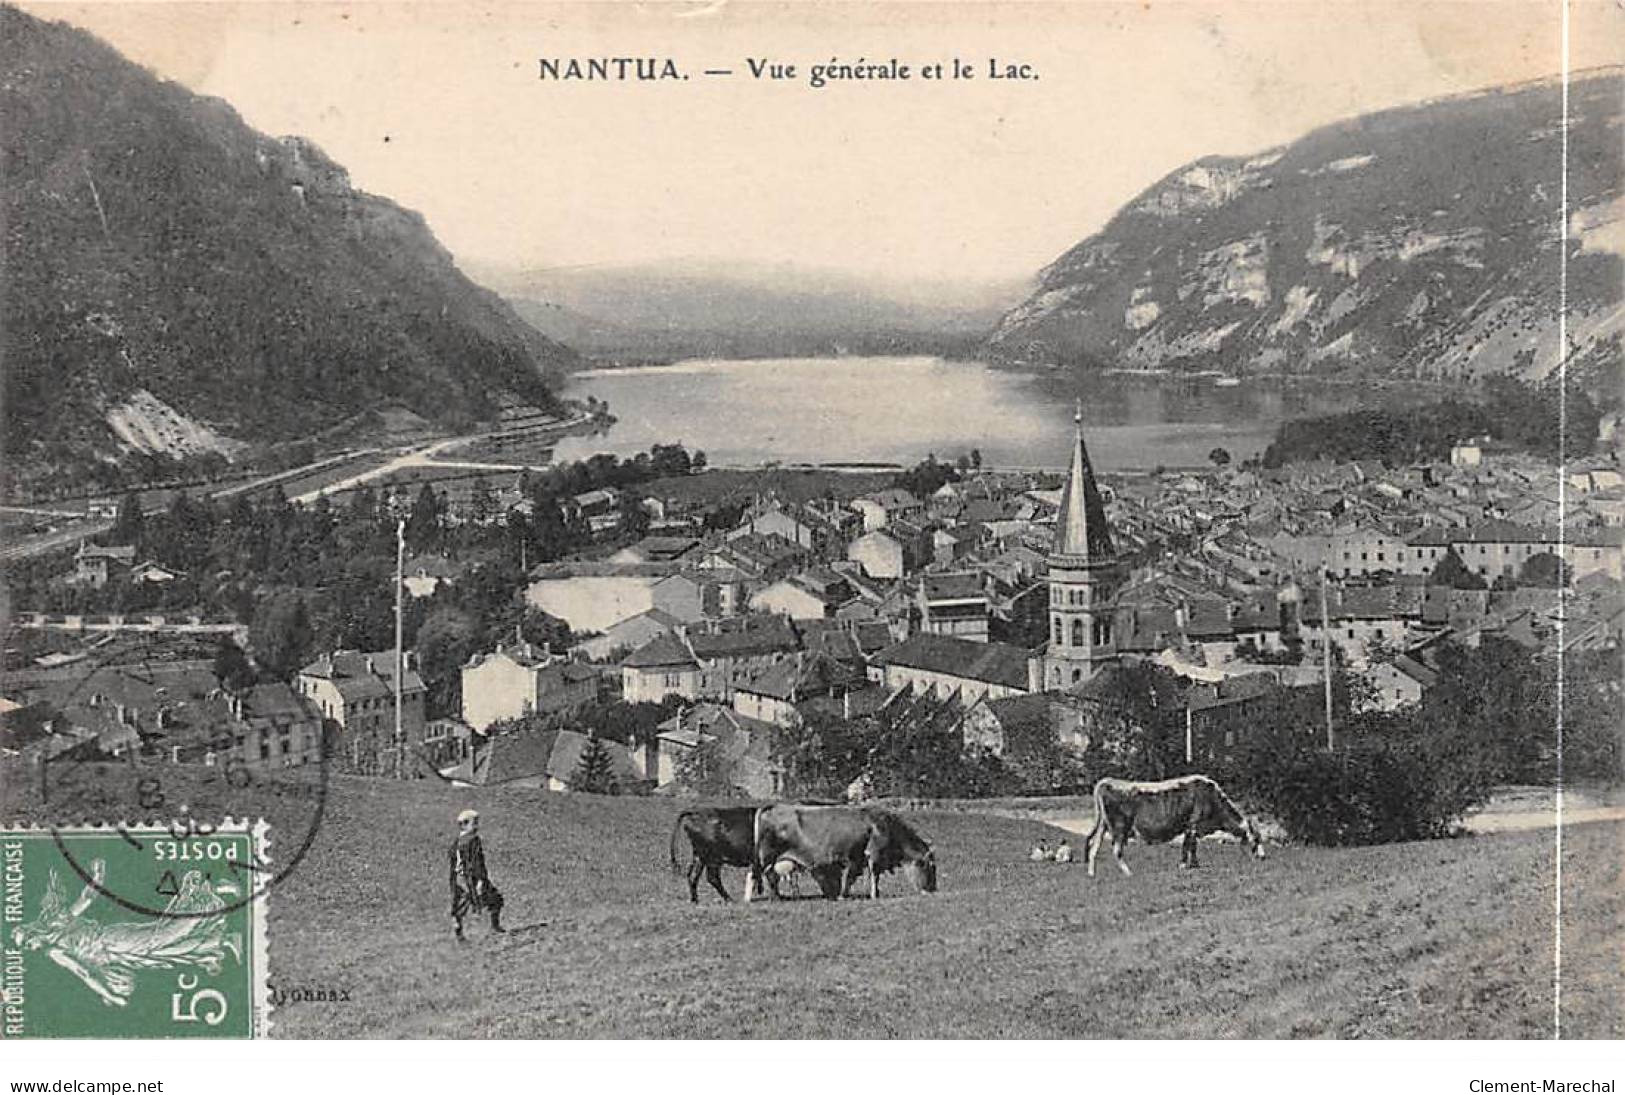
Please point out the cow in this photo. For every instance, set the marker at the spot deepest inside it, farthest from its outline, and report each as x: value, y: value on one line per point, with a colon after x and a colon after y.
x: 838, y: 843
x: 1192, y: 806
x: 719, y: 836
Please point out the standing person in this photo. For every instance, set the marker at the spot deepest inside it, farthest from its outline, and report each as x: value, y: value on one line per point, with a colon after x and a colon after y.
x: 471, y: 888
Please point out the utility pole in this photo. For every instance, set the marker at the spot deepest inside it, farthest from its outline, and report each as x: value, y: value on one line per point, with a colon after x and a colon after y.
x: 400, y: 653
x: 1326, y: 653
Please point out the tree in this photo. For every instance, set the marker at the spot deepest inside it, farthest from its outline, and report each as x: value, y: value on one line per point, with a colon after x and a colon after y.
x: 1140, y: 728
x: 423, y: 526
x: 231, y: 666
x: 1451, y: 571
x: 595, y: 770
x: 448, y: 638
x: 821, y: 755
x: 129, y: 525
x: 1546, y: 570
x: 281, y: 634
x: 705, y: 771
x: 1220, y: 457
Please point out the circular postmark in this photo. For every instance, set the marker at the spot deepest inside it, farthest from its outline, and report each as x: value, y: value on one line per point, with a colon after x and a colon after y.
x: 144, y: 796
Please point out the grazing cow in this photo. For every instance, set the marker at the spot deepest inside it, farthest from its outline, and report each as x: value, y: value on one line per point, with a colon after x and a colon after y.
x: 719, y: 836
x: 838, y: 843
x: 1192, y: 806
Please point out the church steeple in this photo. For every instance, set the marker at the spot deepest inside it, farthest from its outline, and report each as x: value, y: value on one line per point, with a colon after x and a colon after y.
x: 1081, y: 530
x: 1082, y: 569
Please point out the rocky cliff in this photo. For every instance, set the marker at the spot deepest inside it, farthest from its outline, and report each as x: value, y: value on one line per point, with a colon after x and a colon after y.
x: 1421, y: 242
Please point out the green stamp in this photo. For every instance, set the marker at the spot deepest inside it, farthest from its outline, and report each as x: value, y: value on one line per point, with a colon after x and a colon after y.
x: 134, y: 932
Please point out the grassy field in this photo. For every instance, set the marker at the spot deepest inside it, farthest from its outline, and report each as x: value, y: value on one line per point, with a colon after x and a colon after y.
x: 1449, y: 939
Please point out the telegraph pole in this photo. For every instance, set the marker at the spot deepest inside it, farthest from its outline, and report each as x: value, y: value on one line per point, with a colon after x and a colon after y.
x: 400, y: 653
x: 1326, y: 653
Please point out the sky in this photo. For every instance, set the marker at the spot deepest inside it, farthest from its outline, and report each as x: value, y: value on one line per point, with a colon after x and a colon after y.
x: 440, y: 107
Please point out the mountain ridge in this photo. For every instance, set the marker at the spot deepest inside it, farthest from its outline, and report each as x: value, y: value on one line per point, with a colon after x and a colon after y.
x: 181, y: 286
x: 1418, y: 242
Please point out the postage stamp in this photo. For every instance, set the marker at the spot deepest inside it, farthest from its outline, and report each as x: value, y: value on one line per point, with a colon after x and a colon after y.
x: 149, y: 931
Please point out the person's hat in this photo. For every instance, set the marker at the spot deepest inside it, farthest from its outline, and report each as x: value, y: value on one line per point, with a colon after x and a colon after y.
x: 468, y: 815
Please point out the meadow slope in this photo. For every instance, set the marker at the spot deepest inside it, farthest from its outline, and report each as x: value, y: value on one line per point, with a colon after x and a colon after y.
x: 1449, y: 939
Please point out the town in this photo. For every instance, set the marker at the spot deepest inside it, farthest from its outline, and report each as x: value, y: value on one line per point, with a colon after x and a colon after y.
x: 654, y: 625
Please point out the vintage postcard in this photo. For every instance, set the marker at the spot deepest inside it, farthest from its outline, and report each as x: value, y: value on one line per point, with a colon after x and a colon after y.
x: 1075, y: 520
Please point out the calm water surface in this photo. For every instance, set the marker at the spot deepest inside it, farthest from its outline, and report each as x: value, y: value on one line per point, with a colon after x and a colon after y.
x: 900, y: 409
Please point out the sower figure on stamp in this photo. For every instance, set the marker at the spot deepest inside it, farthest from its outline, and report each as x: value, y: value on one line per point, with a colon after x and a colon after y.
x: 471, y: 888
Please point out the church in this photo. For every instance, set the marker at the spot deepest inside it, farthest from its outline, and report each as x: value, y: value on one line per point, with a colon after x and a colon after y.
x: 1085, y: 575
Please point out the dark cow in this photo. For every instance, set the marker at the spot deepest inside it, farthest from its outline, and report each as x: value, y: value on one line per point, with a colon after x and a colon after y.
x: 1192, y: 806
x: 835, y: 844
x: 720, y: 836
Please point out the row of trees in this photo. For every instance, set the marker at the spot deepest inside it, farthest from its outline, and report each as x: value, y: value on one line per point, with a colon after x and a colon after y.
x: 1546, y: 570
x: 1525, y: 416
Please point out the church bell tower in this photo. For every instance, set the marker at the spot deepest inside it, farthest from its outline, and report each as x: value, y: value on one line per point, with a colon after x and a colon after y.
x: 1082, y: 578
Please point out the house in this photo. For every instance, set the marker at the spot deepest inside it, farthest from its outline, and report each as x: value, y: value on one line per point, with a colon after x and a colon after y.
x: 1500, y: 548
x: 264, y: 728
x: 954, y: 604
x: 1360, y: 551
x: 882, y: 507
x: 518, y: 680
x: 1364, y: 618
x: 950, y: 545
x: 773, y: 519
x: 946, y: 665
x: 880, y: 554
x: 547, y: 759
x: 744, y: 747
x: 95, y: 565
x: 765, y: 557
x: 1466, y: 454
x: 152, y: 573
x: 657, y: 549
x: 814, y: 595
x: 1425, y: 549
x: 1258, y: 622
x: 1220, y: 716
x: 592, y: 503
x: 356, y: 692
x: 1398, y: 683
x: 707, y: 661
x: 425, y: 574
x: 592, y: 596
x: 628, y: 635
x: 170, y: 712
x: 775, y: 694
x: 1022, y: 725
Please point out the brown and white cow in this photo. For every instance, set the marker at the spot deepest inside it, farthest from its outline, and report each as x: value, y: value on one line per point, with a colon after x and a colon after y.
x: 1188, y: 806
x: 835, y: 844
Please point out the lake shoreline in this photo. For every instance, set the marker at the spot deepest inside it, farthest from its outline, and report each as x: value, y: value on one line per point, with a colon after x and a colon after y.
x: 894, y: 411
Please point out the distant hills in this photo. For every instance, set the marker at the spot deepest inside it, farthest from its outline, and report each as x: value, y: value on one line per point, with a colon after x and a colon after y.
x: 1418, y: 243
x: 179, y: 285
x: 697, y: 308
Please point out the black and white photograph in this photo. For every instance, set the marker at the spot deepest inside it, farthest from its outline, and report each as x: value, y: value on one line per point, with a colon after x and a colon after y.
x: 985, y: 522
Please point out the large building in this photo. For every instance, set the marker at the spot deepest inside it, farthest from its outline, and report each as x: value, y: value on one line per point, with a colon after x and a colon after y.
x: 1083, y: 574
x: 514, y: 681
x: 356, y: 691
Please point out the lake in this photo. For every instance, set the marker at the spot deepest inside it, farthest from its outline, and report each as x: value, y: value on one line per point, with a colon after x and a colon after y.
x: 897, y: 410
